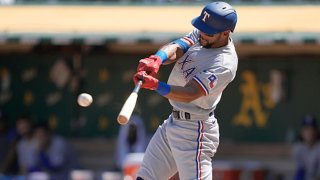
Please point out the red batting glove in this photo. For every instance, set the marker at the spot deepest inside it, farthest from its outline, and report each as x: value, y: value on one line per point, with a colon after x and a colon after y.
x: 150, y: 65
x: 148, y: 82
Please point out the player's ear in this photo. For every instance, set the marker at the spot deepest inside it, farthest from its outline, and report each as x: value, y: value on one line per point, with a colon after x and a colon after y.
x: 226, y: 32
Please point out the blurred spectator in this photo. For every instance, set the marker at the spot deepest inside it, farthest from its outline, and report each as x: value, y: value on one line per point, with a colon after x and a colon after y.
x: 306, y: 151
x: 26, y: 144
x: 6, y: 141
x: 49, y: 153
x: 131, y: 139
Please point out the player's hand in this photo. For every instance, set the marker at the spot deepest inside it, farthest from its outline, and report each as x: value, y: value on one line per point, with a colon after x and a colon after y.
x: 148, y: 82
x: 150, y: 65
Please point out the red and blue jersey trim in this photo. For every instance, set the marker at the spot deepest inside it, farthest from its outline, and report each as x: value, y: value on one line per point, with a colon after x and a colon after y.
x: 199, y: 150
x: 189, y: 40
x: 205, y: 89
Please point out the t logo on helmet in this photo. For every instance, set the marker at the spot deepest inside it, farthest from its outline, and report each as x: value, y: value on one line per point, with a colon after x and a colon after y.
x: 205, y: 16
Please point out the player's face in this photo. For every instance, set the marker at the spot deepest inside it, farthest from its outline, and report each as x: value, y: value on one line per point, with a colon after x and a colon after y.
x: 212, y: 41
x: 308, y: 134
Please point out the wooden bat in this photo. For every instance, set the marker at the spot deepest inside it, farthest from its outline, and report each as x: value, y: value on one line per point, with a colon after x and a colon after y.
x: 128, y: 106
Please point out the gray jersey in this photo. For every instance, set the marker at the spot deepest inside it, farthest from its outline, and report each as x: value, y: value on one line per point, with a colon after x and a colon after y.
x: 212, y: 68
x: 307, y: 159
x: 187, y: 145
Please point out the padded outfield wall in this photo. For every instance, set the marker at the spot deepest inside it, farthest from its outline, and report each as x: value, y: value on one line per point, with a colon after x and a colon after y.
x: 264, y: 103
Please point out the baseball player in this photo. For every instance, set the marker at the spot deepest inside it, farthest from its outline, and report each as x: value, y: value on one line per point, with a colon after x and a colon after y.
x: 205, y: 63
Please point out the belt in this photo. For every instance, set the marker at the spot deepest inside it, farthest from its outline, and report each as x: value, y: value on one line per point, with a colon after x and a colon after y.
x: 185, y: 115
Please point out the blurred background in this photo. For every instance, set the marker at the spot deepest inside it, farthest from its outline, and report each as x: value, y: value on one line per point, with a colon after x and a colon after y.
x: 53, y: 50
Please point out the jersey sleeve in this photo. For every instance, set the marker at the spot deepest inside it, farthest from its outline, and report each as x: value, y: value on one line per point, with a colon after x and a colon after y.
x: 213, y: 79
x: 188, y: 40
x: 192, y: 37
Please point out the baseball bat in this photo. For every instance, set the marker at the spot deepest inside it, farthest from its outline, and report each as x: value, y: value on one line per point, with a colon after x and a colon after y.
x: 128, y: 106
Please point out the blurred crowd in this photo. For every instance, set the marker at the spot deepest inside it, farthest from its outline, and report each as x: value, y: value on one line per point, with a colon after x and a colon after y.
x: 31, y: 147
x: 28, y: 148
x: 132, y: 138
x: 306, y: 150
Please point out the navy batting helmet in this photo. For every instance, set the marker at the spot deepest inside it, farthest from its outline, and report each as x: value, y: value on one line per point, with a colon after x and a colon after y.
x: 216, y: 17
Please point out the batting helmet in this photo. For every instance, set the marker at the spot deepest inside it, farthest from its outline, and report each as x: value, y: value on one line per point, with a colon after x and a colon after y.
x: 216, y: 17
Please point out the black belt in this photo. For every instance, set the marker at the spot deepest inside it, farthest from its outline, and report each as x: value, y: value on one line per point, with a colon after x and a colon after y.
x: 187, y: 116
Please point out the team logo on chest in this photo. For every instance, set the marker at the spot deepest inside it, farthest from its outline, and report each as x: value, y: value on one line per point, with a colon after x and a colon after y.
x: 186, y: 60
x: 189, y: 71
x: 186, y: 70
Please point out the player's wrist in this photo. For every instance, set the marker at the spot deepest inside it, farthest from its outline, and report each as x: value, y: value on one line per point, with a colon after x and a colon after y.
x: 162, y: 56
x: 163, y: 88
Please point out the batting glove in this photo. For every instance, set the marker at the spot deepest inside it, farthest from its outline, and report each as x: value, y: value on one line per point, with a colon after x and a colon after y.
x: 150, y: 65
x: 148, y: 82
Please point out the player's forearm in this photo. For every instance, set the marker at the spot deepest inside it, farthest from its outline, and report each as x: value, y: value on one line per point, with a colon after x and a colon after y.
x: 182, y: 94
x: 185, y: 94
x: 166, y: 55
x: 173, y: 52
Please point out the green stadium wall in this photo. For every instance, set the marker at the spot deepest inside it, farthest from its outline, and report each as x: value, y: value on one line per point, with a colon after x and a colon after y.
x: 264, y: 103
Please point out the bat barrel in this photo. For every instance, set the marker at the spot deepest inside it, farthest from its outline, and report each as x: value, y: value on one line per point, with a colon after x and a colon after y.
x: 127, y: 108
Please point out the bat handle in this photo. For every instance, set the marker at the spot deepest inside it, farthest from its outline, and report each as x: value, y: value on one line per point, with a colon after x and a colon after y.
x: 137, y: 87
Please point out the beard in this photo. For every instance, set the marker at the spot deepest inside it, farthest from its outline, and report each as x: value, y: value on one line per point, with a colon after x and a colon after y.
x: 214, y: 43
x: 208, y: 46
x: 205, y: 44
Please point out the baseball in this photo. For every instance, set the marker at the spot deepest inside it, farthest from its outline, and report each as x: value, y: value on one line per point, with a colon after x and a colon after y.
x: 84, y: 99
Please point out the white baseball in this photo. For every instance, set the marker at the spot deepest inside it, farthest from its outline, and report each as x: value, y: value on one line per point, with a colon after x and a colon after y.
x: 85, y: 99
